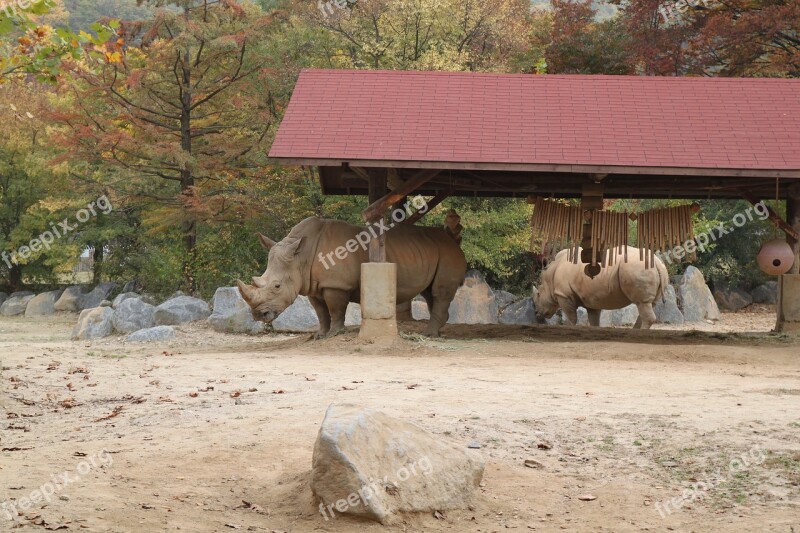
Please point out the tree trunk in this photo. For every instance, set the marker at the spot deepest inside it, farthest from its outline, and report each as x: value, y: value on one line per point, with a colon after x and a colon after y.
x: 793, y: 218
x: 15, y: 277
x: 97, y: 263
x: 189, y: 226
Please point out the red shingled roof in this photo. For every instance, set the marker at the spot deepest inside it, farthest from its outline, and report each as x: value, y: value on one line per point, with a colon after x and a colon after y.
x: 454, y: 117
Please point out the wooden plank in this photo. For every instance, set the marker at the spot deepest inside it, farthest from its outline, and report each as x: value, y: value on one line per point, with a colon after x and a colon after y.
x: 774, y: 217
x: 377, y: 188
x: 433, y: 202
x: 793, y: 218
x: 378, y: 207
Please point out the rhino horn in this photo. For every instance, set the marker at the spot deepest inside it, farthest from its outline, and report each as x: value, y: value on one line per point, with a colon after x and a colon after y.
x: 266, y: 242
x: 259, y: 282
x: 248, y: 291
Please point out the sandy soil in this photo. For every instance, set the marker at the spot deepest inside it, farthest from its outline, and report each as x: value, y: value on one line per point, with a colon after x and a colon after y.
x: 215, y: 433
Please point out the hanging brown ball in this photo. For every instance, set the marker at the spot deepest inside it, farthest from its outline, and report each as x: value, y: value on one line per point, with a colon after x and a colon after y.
x: 776, y: 257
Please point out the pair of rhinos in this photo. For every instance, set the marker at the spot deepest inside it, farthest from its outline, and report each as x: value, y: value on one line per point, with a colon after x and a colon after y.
x: 430, y: 263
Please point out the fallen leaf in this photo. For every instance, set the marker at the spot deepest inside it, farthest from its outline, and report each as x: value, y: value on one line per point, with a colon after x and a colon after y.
x: 438, y: 515
x: 235, y: 394
x: 530, y: 463
x: 587, y: 497
x: 69, y: 402
x: 414, y: 386
x: 544, y: 446
x: 117, y: 410
x: 70, y: 386
x: 193, y: 395
x: 253, y: 389
x: 233, y: 526
x: 165, y: 399
x: 279, y: 391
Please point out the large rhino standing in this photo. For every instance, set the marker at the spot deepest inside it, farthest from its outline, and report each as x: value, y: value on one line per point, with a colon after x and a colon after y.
x: 429, y: 262
x: 566, y: 286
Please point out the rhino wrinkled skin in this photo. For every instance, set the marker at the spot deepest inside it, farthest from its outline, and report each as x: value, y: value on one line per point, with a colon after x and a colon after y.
x: 565, y: 285
x: 429, y: 262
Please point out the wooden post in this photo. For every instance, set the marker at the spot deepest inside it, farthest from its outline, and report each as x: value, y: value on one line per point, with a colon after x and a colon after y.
x: 591, y: 199
x: 793, y: 220
x: 377, y: 190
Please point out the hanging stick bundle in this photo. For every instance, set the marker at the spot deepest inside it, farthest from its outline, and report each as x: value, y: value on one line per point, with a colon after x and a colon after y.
x: 664, y: 229
x: 609, y: 236
x: 557, y: 224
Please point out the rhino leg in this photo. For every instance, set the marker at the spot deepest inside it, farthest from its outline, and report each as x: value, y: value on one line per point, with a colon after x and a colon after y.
x: 594, y: 317
x: 337, y: 301
x: 569, y: 308
x: 439, y: 307
x: 323, y: 315
x: 647, y: 317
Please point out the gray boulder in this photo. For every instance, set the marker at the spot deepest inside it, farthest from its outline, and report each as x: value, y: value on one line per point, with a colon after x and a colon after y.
x: 133, y: 315
x: 766, y: 293
x: 695, y: 298
x: 232, y: 314
x: 93, y: 324
x: 129, y: 287
x: 419, y: 310
x: 156, y: 334
x: 122, y: 297
x: 3, y: 297
x: 374, y: 466
x: 353, y: 315
x: 100, y: 293
x: 15, y: 305
x: 667, y: 310
x: 71, y: 300
x: 299, y: 317
x: 732, y: 299
x: 521, y: 312
x: 626, y: 316
x: 474, y: 302
x: 19, y: 294
x: 504, y: 299
x: 43, y: 304
x: 181, y: 310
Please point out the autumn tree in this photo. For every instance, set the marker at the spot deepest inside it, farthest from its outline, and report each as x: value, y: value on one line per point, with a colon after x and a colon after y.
x: 182, y: 120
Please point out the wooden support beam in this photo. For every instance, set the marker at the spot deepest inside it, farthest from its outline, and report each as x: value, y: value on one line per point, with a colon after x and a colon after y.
x: 378, y: 207
x: 377, y: 190
x: 774, y: 217
x: 793, y: 218
x: 436, y: 200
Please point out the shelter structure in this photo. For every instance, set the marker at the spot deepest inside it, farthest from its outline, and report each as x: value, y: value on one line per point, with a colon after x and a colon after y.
x: 390, y: 134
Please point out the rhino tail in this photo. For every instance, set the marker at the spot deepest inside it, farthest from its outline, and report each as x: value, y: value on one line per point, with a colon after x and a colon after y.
x: 453, y: 227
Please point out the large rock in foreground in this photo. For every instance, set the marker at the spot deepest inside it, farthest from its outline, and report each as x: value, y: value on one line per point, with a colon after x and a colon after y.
x: 232, y: 314
x: 132, y: 315
x: 71, y: 300
x: 474, y: 303
x: 100, y: 293
x: 374, y: 466
x: 181, y: 310
x: 521, y: 313
x: 93, y: 324
x: 766, y: 293
x: 732, y: 299
x: 696, y: 300
x: 156, y: 334
x: 627, y: 316
x: 299, y: 317
x: 3, y: 297
x: 43, y: 305
x: 15, y: 305
x: 667, y: 310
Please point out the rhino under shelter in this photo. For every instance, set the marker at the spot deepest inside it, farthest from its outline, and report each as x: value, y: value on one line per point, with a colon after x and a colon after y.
x: 393, y: 134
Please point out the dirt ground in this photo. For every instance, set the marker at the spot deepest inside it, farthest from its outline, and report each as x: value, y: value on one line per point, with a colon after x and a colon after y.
x: 628, y: 430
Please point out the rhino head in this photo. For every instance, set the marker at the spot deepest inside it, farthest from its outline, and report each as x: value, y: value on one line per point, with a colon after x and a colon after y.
x: 544, y: 302
x: 279, y: 286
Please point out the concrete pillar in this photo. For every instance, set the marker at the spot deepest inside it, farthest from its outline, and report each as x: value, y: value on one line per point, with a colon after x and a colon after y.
x: 789, y: 303
x: 378, y: 300
x: 789, y: 284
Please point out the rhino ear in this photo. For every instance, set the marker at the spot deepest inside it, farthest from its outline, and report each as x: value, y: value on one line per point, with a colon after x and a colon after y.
x: 266, y: 242
x: 259, y: 282
x: 248, y: 291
